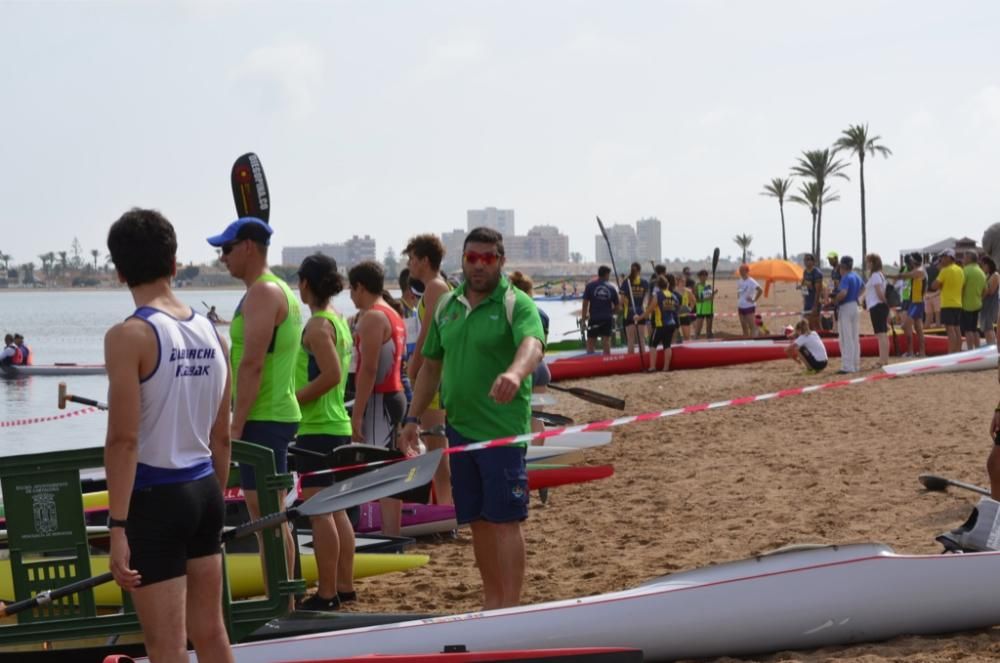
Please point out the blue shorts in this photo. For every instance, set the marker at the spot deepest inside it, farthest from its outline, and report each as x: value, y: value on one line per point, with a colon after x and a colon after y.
x: 490, y: 485
x: 915, y: 311
x: 276, y: 436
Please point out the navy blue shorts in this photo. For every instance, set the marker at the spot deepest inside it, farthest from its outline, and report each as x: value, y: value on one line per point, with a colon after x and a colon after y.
x: 276, y: 436
x: 490, y: 485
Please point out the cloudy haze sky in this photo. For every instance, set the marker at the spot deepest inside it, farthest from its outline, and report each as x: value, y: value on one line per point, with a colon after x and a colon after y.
x: 392, y: 118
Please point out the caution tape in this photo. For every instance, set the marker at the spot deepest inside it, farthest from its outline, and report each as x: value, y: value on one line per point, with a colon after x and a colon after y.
x: 41, y: 420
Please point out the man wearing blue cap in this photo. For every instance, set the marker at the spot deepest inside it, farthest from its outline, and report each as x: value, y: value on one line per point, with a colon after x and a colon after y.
x: 265, y: 344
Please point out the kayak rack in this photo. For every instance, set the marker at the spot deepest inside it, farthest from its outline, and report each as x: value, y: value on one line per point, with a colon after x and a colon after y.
x: 47, y: 533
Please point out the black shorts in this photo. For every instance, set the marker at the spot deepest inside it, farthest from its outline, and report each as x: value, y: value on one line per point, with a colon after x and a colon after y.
x: 969, y: 321
x: 323, y: 444
x: 662, y: 336
x: 168, y: 524
x: 276, y: 436
x: 815, y: 364
x: 687, y: 320
x: 599, y: 329
x: 880, y: 318
x: 951, y: 317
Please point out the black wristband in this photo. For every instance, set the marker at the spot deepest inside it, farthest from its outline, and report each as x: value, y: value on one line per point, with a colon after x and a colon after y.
x: 114, y: 522
x: 411, y: 420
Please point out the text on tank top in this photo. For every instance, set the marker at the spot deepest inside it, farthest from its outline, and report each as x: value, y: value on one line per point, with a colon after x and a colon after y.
x: 179, y: 399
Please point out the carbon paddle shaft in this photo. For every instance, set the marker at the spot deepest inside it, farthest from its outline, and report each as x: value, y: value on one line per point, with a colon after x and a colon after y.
x: 46, y: 597
x: 618, y: 279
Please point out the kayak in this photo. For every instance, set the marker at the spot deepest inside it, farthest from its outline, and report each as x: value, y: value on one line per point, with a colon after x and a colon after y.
x: 244, y: 570
x: 799, y: 599
x: 692, y: 356
x: 970, y: 360
x: 51, y: 369
x: 458, y: 654
x: 428, y: 519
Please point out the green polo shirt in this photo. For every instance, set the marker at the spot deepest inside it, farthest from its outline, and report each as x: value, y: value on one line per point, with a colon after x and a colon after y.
x: 972, y: 288
x: 475, y: 345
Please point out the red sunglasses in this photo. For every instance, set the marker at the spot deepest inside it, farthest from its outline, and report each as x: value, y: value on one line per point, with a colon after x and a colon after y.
x: 473, y: 257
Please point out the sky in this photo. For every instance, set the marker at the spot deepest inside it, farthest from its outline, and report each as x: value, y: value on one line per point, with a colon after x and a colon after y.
x: 394, y: 118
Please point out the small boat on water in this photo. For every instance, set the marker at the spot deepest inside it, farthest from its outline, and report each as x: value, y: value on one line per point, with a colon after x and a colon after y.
x: 802, y: 598
x: 62, y: 369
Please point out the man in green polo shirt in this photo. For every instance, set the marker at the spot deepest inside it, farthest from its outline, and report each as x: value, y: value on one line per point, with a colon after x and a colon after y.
x: 482, y: 346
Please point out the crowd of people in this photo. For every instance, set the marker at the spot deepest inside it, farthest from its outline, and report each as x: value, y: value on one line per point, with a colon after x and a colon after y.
x: 656, y: 312
x: 179, y: 394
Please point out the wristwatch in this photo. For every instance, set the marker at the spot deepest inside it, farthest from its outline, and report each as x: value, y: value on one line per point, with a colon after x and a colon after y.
x: 411, y: 420
x: 115, y: 522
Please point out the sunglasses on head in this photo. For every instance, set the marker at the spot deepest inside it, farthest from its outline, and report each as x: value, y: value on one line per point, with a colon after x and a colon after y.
x: 473, y: 257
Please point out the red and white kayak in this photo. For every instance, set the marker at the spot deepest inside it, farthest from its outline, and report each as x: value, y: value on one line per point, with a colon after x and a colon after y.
x: 971, y: 360
x: 800, y: 599
x: 706, y: 355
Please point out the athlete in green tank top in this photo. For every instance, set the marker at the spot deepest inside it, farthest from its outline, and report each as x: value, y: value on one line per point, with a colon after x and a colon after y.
x: 276, y: 396
x: 327, y: 414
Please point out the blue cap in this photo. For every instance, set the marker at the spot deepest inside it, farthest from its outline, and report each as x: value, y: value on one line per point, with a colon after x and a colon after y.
x: 248, y: 225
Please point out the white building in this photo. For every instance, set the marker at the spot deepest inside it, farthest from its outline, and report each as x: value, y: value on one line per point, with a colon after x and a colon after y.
x: 541, y: 244
x: 648, y: 235
x: 453, y: 242
x: 501, y: 220
x: 355, y: 250
x: 624, y: 244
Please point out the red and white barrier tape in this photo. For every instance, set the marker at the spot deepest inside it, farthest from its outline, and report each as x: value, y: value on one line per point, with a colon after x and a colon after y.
x: 41, y: 420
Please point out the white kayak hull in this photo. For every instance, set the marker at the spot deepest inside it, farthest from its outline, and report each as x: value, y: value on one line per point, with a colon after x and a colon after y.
x: 795, y: 600
x: 52, y: 369
x: 971, y: 360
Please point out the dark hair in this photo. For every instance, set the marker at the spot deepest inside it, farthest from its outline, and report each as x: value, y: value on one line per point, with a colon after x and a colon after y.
x: 688, y: 283
x: 396, y: 305
x: 635, y: 267
x: 368, y: 275
x: 427, y: 246
x: 916, y: 258
x: 404, y: 280
x: 991, y: 265
x: 603, y: 271
x: 321, y: 273
x: 483, y: 235
x: 143, y: 246
x: 8, y: 338
x: 671, y: 280
x: 875, y: 260
x: 661, y: 282
x: 660, y: 269
x: 809, y: 256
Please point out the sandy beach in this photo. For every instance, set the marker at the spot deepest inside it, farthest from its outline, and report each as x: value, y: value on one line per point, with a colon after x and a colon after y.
x: 838, y: 466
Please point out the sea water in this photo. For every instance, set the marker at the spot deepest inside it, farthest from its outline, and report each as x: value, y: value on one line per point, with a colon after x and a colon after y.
x: 69, y: 326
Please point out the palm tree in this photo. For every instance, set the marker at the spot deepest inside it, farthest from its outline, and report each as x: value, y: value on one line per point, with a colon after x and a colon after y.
x: 819, y: 166
x: 778, y: 188
x: 809, y: 196
x: 743, y: 241
x: 5, y: 257
x: 95, y: 253
x: 855, y: 139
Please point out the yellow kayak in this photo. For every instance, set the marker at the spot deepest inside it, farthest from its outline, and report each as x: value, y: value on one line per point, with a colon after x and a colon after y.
x: 245, y: 575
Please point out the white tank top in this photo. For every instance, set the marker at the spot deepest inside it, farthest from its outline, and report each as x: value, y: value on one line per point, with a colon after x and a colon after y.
x: 180, y: 399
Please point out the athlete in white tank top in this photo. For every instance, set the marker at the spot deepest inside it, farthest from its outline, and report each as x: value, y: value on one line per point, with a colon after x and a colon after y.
x: 184, y: 391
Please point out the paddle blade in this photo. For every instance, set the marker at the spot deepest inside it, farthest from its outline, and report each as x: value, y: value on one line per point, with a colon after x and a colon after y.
x: 931, y: 482
x: 383, y: 482
x: 592, y: 396
x: 250, y: 193
x: 551, y: 418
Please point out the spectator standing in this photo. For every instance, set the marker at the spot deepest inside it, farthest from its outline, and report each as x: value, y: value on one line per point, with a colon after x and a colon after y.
x: 988, y: 314
x: 846, y: 301
x: 972, y: 298
x: 812, y: 291
x: 878, y: 306
x: 748, y: 292
x: 949, y: 281
x: 600, y: 302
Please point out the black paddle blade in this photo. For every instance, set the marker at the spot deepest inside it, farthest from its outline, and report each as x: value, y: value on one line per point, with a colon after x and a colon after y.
x: 715, y: 259
x: 591, y: 396
x: 551, y: 418
x: 250, y: 193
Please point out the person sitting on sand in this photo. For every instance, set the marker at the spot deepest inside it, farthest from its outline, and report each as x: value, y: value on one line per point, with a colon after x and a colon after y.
x: 807, y: 348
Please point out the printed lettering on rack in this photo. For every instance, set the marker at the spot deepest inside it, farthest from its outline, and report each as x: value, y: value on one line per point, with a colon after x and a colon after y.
x: 183, y: 358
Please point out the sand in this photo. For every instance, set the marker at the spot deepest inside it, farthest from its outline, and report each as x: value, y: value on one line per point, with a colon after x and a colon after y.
x: 837, y: 466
